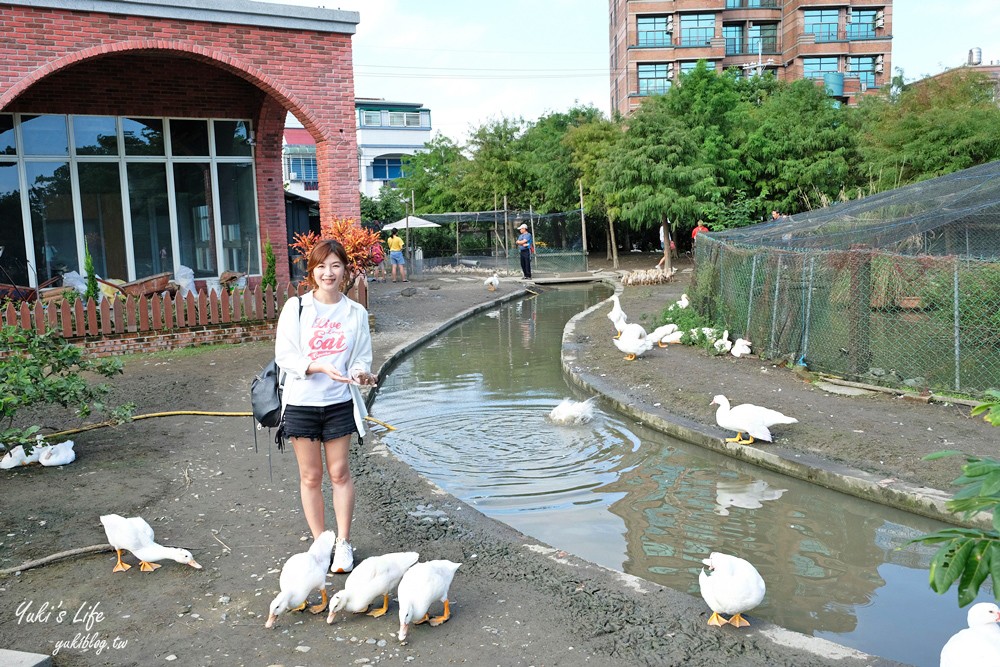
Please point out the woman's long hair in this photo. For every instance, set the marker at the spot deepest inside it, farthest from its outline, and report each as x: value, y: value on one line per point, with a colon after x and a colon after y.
x: 318, y: 255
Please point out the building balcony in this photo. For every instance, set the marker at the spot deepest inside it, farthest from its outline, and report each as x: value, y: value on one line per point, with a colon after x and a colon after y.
x: 753, y: 4
x: 751, y: 47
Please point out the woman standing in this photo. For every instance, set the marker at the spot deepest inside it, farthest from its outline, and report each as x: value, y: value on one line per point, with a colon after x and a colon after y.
x: 325, y: 348
x: 396, y: 256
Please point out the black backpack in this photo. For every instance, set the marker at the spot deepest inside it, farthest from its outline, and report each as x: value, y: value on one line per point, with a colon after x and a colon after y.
x: 265, y: 392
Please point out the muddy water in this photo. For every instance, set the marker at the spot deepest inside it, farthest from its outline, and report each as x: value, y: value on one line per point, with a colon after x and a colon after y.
x: 471, y: 412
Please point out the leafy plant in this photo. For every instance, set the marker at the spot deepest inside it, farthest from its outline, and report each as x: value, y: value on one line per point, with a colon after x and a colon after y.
x: 990, y: 410
x: 270, y: 278
x: 93, y: 291
x: 45, y: 369
x: 357, y: 241
x: 968, y: 555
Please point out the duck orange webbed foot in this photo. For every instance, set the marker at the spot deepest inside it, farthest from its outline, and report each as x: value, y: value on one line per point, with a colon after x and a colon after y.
x: 716, y: 620
x: 438, y: 620
x: 321, y: 607
x: 375, y: 613
x: 148, y: 567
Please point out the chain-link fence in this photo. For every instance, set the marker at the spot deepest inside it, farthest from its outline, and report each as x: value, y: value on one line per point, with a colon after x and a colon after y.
x: 486, y: 240
x: 901, y: 288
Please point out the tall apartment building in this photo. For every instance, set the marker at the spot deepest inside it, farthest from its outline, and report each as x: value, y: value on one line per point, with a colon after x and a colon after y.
x: 844, y: 44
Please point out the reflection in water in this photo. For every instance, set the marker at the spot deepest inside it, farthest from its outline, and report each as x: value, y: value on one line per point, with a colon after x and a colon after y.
x: 748, y: 494
x: 472, y: 412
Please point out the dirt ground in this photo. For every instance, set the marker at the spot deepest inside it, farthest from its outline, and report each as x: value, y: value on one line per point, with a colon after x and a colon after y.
x: 203, y: 483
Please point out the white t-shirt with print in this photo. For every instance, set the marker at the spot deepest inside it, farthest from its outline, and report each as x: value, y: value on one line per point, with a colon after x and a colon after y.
x: 330, y: 338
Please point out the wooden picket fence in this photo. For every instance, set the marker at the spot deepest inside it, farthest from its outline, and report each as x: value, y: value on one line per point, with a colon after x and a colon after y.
x: 130, y: 314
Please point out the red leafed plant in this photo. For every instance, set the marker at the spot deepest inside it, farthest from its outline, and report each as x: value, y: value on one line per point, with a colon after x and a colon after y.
x: 357, y: 241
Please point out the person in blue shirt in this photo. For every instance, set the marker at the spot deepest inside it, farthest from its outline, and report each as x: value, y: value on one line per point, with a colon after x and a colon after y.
x: 525, y: 243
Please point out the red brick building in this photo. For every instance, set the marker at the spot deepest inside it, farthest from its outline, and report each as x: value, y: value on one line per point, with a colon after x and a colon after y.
x: 149, y: 133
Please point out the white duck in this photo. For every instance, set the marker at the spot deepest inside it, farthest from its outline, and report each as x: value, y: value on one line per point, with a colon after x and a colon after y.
x: 979, y: 644
x: 373, y: 577
x: 747, y: 418
x: 633, y: 341
x: 573, y: 412
x: 730, y: 586
x: 740, y: 347
x: 301, y: 574
x: 723, y: 345
x: 658, y: 334
x: 58, y: 455
x: 683, y: 302
x: 492, y: 282
x: 617, y: 316
x: 422, y: 585
x: 135, y: 535
x: 16, y: 457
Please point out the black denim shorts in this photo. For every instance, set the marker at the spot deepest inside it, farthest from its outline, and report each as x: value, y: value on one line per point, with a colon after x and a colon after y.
x: 319, y: 423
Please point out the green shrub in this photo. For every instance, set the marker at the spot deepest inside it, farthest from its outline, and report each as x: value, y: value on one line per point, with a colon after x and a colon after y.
x: 48, y: 370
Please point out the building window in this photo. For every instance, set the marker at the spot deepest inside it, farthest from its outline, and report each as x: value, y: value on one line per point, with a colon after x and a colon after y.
x: 86, y: 194
x: 751, y: 4
x: 822, y: 23
x: 733, y: 35
x: 815, y: 68
x: 653, y: 30
x: 763, y: 38
x: 404, y: 119
x: 697, y: 29
x: 371, y: 118
x: 654, y: 79
x: 862, y: 24
x: 387, y: 168
x: 862, y: 67
x: 689, y: 66
x: 301, y: 168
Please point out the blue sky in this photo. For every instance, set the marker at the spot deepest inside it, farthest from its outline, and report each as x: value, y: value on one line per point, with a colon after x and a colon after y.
x: 470, y: 61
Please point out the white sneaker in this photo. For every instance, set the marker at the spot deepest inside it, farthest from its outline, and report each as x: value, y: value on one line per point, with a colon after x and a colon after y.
x: 343, y: 557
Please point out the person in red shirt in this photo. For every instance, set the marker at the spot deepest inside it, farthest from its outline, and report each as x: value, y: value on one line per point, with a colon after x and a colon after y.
x: 698, y: 230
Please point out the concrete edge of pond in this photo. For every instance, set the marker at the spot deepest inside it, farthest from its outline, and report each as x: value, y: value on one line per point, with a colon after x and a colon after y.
x: 893, y: 493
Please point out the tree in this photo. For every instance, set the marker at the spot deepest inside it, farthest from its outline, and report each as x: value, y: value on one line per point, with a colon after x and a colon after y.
x: 387, y: 207
x: 435, y: 176
x: 941, y: 125
x: 497, y: 168
x: 270, y: 277
x: 800, y: 150
x: 547, y: 159
x: 357, y: 241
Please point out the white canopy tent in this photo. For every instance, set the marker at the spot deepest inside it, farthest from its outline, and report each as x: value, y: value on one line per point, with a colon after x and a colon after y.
x: 411, y: 221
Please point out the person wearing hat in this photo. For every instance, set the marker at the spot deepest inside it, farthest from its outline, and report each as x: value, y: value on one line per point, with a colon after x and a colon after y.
x: 526, y: 244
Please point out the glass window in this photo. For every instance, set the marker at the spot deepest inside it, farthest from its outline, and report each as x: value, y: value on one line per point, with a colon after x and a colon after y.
x: 652, y: 31
x: 822, y: 23
x: 763, y: 38
x: 195, y: 218
x: 103, y: 223
x: 387, y: 168
x: 95, y: 135
x: 862, y: 67
x: 654, y: 79
x: 147, y: 195
x: 232, y: 138
x: 51, y: 202
x: 697, y: 29
x: 371, y: 118
x: 13, y: 261
x: 404, y: 119
x: 862, y: 24
x: 815, y: 68
x: 143, y: 136
x: 44, y: 135
x: 8, y: 146
x: 302, y: 169
x: 689, y: 66
x: 238, y: 210
x: 733, y: 35
x: 188, y: 137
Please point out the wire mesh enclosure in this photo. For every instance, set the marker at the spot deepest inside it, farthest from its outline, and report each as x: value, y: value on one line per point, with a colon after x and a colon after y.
x: 486, y: 240
x: 900, y: 288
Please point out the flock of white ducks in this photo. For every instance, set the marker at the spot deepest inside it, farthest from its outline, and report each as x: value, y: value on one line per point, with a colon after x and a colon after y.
x: 44, y: 454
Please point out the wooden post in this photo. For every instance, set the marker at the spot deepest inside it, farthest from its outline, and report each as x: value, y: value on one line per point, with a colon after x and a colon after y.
x: 506, y: 230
